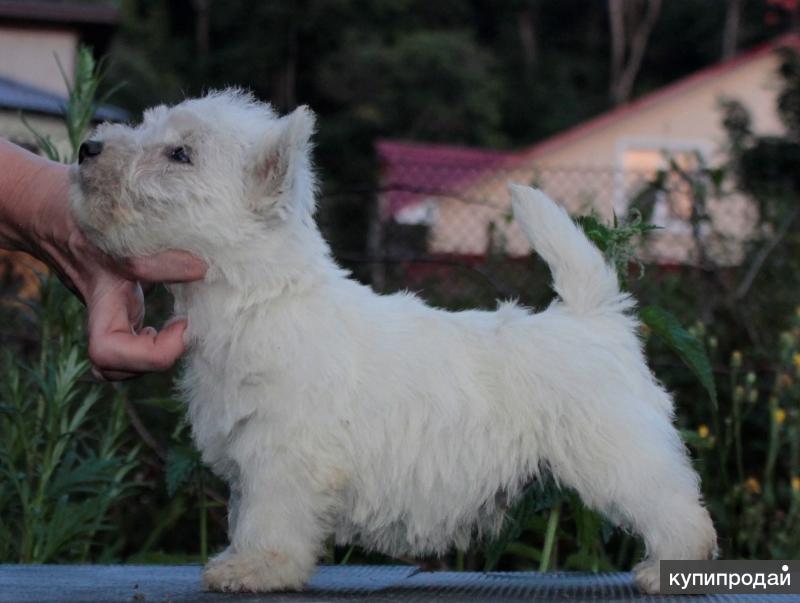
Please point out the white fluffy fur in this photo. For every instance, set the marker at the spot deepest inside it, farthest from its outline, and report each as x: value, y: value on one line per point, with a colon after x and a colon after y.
x: 330, y: 409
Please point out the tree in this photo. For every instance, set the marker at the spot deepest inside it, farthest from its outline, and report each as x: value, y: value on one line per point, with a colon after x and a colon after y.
x: 631, y: 22
x: 730, y: 34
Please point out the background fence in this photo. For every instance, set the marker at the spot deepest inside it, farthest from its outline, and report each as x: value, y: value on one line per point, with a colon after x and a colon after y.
x: 447, y: 231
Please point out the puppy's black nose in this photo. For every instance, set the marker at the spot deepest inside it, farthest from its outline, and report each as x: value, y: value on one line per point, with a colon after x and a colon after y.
x: 90, y: 148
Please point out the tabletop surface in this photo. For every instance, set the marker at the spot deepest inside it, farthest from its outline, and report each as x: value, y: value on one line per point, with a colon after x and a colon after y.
x: 180, y: 584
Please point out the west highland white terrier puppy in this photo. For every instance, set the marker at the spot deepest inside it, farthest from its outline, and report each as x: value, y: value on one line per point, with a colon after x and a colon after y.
x: 330, y: 409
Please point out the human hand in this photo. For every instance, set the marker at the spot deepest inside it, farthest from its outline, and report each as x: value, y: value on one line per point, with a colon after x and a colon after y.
x: 36, y: 207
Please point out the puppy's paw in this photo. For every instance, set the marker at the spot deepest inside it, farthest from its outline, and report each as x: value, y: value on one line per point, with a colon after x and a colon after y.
x: 648, y: 577
x: 253, y: 571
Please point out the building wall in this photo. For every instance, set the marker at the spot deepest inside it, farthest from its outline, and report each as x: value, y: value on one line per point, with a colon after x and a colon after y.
x: 597, y: 170
x: 691, y: 114
x: 28, y: 55
x: 13, y: 129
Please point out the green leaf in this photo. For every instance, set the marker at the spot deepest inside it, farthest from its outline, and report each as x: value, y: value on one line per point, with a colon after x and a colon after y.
x: 525, y: 551
x: 688, y: 347
x: 538, y: 497
x: 181, y: 462
x: 169, y: 404
x: 617, y: 240
x: 691, y: 438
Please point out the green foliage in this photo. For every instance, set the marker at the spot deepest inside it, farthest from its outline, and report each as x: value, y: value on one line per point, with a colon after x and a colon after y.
x: 617, y: 240
x: 789, y: 96
x: 748, y: 450
x: 82, y: 102
x: 689, y: 348
x: 182, y: 461
x: 83, y: 97
x: 63, y: 457
x: 768, y: 167
x: 537, y: 498
x: 184, y: 467
x: 455, y: 99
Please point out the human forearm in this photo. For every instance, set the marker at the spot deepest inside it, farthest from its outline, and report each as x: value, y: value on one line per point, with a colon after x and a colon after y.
x: 26, y: 183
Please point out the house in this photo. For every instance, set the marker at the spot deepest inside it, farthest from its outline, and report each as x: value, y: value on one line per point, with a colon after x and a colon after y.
x: 599, y: 165
x: 35, y: 38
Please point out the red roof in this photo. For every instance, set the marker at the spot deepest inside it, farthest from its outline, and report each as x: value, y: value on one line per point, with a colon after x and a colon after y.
x: 412, y: 170
x: 415, y: 170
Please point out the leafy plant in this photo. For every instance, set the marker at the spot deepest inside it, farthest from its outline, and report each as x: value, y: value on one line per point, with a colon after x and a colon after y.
x: 688, y: 347
x: 752, y: 443
x: 616, y: 240
x: 65, y: 459
x: 184, y: 467
x: 82, y: 103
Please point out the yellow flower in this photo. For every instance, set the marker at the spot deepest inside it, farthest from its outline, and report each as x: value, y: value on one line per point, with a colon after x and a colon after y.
x: 703, y: 431
x: 780, y: 415
x: 796, y: 484
x: 752, y: 486
x: 796, y: 360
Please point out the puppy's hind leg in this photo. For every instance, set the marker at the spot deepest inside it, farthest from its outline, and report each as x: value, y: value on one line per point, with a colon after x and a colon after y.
x: 630, y: 464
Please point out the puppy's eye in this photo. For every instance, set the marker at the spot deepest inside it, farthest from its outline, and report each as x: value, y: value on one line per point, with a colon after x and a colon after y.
x: 180, y: 155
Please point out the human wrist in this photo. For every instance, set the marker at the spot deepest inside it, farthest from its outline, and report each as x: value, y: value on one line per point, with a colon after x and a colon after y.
x: 28, y: 184
x: 14, y: 216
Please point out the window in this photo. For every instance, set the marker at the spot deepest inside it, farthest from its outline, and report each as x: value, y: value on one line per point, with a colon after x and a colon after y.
x: 638, y: 163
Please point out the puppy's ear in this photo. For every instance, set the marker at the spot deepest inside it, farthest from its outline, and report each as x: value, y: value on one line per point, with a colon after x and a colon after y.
x: 282, y: 171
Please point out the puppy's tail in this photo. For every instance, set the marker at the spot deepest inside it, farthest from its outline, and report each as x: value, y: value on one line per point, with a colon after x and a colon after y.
x: 581, y: 276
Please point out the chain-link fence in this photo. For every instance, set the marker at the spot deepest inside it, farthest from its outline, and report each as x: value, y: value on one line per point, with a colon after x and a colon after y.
x: 446, y: 229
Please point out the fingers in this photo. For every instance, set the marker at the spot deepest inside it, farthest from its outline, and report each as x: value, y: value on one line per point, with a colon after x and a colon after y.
x: 136, y: 308
x: 116, y: 349
x: 112, y: 375
x: 167, y: 267
x: 119, y: 355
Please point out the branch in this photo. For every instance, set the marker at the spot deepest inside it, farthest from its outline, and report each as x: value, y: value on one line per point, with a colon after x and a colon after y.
x: 762, y: 255
x: 143, y: 432
x: 638, y: 45
x: 616, y: 20
x: 526, y: 28
x: 730, y: 35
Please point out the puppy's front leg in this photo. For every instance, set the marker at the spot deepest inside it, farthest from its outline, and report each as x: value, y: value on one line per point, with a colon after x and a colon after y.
x: 275, y: 532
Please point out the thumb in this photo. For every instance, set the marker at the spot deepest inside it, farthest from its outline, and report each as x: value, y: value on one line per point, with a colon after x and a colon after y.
x: 171, y: 266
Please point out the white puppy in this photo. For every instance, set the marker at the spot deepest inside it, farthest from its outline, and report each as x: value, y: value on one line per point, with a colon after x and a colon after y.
x: 391, y: 424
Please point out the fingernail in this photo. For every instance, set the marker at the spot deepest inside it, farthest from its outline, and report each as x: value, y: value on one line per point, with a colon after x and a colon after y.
x: 199, y: 265
x: 97, y: 374
x: 175, y: 320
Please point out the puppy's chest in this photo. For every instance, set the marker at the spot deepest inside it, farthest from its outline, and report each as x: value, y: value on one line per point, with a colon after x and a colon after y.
x: 230, y: 374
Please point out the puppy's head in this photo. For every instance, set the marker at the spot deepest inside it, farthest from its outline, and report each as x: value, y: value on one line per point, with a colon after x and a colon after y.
x: 202, y: 176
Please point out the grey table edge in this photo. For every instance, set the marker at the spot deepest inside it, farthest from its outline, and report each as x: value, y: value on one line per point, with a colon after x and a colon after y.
x: 181, y: 584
